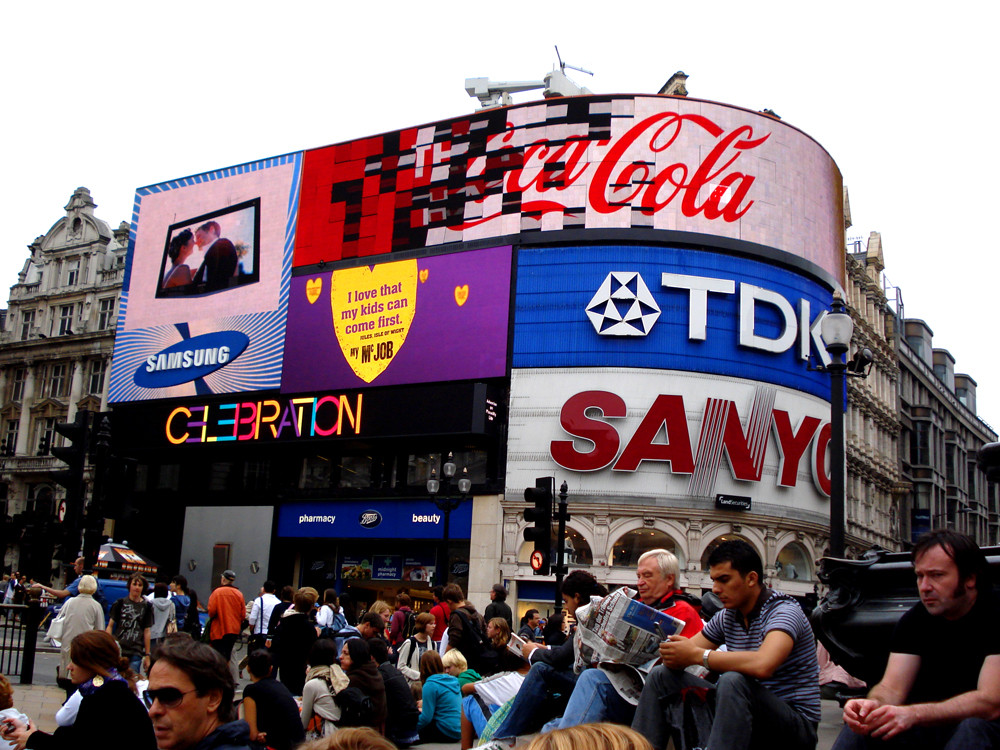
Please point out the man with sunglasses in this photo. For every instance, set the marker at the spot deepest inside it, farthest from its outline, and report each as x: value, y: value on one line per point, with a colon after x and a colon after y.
x: 190, y: 699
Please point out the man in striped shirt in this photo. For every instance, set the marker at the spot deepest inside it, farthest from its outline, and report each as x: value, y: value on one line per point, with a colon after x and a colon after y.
x: 767, y: 694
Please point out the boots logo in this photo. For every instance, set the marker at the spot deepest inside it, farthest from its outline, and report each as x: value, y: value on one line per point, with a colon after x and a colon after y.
x: 623, y: 306
x: 369, y: 519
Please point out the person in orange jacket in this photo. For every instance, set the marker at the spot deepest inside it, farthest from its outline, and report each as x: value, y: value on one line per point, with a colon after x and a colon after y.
x: 227, y: 609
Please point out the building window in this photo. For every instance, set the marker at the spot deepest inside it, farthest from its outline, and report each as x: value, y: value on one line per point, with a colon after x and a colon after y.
x: 46, y: 433
x: 630, y: 547
x: 920, y: 446
x: 95, y: 377
x: 27, y: 323
x: 58, y: 381
x: 106, y: 314
x: 65, y: 321
x: 17, y: 384
x: 72, y: 273
x: 9, y: 447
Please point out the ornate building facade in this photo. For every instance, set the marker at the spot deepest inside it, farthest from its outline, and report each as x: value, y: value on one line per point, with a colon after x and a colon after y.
x: 55, y: 351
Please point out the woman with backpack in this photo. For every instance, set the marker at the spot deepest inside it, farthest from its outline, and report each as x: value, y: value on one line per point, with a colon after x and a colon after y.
x: 324, y: 680
x: 401, y: 622
x: 362, y: 674
x: 412, y: 649
x: 330, y: 619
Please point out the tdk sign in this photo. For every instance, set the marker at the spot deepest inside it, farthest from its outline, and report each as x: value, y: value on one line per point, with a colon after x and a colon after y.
x: 191, y: 359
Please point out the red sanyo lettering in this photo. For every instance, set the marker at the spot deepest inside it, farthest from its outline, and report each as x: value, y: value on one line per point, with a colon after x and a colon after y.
x: 664, y: 435
x: 614, y: 184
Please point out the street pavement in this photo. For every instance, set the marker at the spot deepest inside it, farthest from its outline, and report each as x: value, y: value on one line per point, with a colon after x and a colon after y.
x: 42, y: 699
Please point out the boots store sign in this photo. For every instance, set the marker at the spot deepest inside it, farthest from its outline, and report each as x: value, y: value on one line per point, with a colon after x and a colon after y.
x: 601, y: 162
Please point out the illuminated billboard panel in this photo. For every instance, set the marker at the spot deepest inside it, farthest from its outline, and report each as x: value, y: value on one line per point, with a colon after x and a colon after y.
x: 669, y: 308
x: 671, y: 438
x: 581, y: 163
x: 205, y: 295
x: 408, y: 321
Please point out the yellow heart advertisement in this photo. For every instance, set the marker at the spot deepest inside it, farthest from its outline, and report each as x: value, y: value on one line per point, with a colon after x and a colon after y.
x: 372, y: 311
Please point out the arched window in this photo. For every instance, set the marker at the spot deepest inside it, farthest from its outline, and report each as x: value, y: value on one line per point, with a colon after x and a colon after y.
x: 793, y: 563
x: 577, y: 550
x: 629, y: 547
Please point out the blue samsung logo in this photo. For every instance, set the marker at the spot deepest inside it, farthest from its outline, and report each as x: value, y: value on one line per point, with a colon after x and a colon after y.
x: 191, y: 359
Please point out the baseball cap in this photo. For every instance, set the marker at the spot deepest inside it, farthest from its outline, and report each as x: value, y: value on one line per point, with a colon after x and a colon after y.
x: 229, y: 575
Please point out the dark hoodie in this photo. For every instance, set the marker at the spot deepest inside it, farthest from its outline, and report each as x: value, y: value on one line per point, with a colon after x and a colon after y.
x: 368, y: 680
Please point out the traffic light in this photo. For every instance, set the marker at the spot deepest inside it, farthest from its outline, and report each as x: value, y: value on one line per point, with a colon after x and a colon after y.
x: 74, y: 454
x: 541, y: 514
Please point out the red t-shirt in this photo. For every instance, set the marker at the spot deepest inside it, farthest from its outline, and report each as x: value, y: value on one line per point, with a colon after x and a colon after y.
x: 441, y: 614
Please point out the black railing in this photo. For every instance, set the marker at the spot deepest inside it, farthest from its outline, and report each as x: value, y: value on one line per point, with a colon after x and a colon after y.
x: 18, y: 638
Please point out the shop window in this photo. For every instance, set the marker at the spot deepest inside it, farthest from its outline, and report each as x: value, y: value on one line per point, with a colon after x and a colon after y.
x: 793, y: 564
x: 355, y: 472
x: 419, y: 466
x: 716, y: 542
x: 169, y: 477
x: 629, y: 548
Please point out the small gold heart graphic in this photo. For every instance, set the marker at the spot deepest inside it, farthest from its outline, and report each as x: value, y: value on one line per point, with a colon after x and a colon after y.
x: 313, y: 289
x: 423, y: 275
x: 461, y: 294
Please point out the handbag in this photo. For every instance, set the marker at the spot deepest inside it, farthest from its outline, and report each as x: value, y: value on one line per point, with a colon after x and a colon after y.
x: 55, y: 631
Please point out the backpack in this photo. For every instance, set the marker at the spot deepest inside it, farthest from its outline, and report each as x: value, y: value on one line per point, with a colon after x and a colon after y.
x: 356, y: 708
x: 409, y: 625
x: 333, y: 630
x: 478, y: 651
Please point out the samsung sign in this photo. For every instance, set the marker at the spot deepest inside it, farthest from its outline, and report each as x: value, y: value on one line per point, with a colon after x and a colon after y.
x: 360, y: 519
x: 669, y: 308
x: 191, y: 359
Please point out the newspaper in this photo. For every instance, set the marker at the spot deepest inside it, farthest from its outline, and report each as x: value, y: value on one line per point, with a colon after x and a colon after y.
x: 621, y: 636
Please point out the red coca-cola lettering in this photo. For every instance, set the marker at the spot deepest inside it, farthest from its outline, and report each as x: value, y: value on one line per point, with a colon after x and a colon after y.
x: 615, y: 184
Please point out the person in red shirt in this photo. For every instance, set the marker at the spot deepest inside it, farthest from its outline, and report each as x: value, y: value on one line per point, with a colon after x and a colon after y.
x: 441, y: 612
x: 227, y: 609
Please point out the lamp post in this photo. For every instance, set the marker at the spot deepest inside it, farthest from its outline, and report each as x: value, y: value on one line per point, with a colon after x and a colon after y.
x: 446, y: 503
x: 837, y: 329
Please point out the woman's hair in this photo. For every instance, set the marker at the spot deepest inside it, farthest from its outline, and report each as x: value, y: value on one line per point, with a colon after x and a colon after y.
x: 305, y: 598
x: 330, y: 597
x: 97, y: 651
x: 287, y: 593
x: 430, y: 664
x: 323, y: 653
x: 177, y: 243
x: 455, y: 658
x: 180, y: 581
x: 6, y: 693
x: 591, y: 737
x: 357, y: 649
x: 88, y: 584
x: 259, y: 663
x: 499, y: 640
x: 350, y: 738
x: 553, y: 627
x: 380, y: 607
x: 421, y: 621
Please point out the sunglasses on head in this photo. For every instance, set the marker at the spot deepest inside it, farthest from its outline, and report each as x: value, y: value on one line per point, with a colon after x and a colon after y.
x: 169, y: 697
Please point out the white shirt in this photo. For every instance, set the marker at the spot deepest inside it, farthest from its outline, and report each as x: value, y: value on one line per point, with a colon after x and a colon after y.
x: 260, y: 612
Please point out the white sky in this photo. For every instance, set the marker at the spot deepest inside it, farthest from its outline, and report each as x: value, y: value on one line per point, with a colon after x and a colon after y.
x: 117, y: 95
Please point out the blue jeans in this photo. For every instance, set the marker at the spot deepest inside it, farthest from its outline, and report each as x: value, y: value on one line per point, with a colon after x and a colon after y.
x: 970, y: 734
x: 135, y: 664
x: 594, y: 699
x: 526, y: 714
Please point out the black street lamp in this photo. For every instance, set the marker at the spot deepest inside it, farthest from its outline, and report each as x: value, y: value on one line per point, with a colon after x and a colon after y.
x: 446, y: 503
x: 837, y: 329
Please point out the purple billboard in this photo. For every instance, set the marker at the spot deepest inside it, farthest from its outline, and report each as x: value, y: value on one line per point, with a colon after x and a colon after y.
x: 411, y: 321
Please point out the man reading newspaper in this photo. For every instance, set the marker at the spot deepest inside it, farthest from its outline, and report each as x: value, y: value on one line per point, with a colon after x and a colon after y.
x: 767, y: 694
x: 619, y: 636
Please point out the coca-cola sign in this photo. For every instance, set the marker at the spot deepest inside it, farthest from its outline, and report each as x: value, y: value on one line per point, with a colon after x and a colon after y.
x: 591, y: 163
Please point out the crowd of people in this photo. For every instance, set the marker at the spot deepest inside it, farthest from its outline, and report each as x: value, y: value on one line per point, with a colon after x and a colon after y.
x: 323, y: 678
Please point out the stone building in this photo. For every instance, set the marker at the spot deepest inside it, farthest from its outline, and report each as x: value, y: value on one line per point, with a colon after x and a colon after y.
x: 873, y: 484
x: 55, y: 350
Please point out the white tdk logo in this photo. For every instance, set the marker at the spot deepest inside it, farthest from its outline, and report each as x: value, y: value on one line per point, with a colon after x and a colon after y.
x: 623, y: 306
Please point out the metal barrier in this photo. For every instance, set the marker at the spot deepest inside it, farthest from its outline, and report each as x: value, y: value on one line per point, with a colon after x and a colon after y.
x: 18, y: 638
